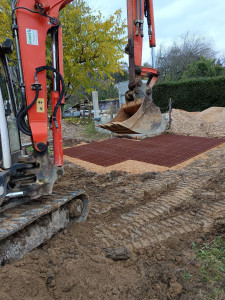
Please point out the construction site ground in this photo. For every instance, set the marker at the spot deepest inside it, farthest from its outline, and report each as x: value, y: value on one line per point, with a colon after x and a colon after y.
x: 138, y: 240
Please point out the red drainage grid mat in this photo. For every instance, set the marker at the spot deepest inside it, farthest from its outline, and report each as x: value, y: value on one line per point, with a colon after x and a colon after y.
x: 165, y: 150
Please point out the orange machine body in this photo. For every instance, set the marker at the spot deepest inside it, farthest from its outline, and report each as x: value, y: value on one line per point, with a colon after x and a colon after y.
x: 135, y: 16
x: 32, y: 31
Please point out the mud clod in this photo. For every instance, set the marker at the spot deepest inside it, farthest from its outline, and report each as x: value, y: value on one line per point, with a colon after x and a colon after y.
x: 117, y: 253
x: 174, y: 289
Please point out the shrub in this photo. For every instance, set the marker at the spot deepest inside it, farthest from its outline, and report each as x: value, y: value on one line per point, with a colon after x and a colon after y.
x: 191, y: 95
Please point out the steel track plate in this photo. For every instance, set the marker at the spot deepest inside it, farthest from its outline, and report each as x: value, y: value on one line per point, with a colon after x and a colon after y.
x: 17, y: 218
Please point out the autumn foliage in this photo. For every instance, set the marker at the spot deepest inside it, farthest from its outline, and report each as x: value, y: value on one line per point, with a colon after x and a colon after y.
x: 93, y: 45
x: 5, y: 20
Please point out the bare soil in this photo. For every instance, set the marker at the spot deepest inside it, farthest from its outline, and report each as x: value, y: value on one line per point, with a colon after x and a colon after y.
x: 137, y: 241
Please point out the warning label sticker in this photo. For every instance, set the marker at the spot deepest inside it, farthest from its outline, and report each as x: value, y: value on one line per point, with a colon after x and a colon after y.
x: 32, y: 37
x: 40, y: 105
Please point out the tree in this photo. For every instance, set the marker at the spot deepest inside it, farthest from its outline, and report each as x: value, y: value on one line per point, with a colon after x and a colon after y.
x: 173, y: 60
x: 223, y: 59
x: 147, y: 65
x: 111, y: 92
x: 93, y: 45
x: 5, y: 17
x: 204, y: 67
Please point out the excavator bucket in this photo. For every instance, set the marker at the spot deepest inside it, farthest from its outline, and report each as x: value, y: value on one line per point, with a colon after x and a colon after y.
x: 140, y: 116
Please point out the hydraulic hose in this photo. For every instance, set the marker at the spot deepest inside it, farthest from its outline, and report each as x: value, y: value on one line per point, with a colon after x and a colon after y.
x: 53, y: 21
x: 22, y: 114
x: 147, y: 15
x: 43, y: 68
x: 23, y: 111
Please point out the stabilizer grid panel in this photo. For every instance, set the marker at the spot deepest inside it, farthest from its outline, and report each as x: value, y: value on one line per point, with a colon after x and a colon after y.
x: 165, y: 150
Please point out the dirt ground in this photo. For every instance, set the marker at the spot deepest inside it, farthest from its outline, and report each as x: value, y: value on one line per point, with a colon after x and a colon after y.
x: 137, y: 241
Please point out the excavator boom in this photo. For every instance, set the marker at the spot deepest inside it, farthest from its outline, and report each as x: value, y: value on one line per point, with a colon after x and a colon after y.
x: 32, y: 22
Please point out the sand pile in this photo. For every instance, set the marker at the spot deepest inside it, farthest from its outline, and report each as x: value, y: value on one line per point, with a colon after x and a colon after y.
x: 208, y: 123
x: 212, y: 114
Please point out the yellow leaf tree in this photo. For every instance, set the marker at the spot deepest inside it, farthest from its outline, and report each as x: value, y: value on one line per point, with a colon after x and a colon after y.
x: 93, y: 45
x: 5, y: 20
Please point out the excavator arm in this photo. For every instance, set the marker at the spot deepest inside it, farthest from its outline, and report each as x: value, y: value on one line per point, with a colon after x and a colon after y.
x: 32, y: 21
x: 136, y: 10
x: 139, y: 115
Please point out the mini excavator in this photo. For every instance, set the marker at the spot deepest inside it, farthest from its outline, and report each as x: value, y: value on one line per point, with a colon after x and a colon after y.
x: 29, y: 212
x: 139, y: 115
x: 26, y: 180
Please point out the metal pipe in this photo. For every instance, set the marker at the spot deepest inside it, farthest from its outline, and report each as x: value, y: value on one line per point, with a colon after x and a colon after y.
x: 141, y: 19
x: 138, y: 13
x: 131, y: 14
x: 137, y: 20
x: 140, y: 10
x: 20, y: 70
x: 153, y: 57
x: 54, y: 61
x: 15, y: 194
x: 16, y: 38
x: 6, y: 152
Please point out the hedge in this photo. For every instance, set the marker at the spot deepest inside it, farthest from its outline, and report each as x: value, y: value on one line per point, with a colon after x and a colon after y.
x: 191, y: 95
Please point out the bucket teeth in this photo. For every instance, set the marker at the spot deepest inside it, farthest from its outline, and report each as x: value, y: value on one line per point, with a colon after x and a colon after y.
x: 140, y: 117
x: 117, y: 127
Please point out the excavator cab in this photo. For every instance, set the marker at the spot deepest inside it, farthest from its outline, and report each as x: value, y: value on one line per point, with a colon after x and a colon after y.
x: 139, y: 114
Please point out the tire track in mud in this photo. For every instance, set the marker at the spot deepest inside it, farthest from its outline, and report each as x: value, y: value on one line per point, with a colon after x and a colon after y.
x: 181, y: 211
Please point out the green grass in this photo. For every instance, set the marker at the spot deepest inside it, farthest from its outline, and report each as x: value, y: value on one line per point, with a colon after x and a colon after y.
x: 30, y: 150
x: 88, y: 126
x: 77, y: 120
x: 186, y: 275
x: 212, y: 267
x: 91, y: 132
x: 212, y: 259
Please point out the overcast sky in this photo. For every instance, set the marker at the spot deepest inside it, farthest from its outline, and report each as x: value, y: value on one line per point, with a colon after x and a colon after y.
x: 176, y: 17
